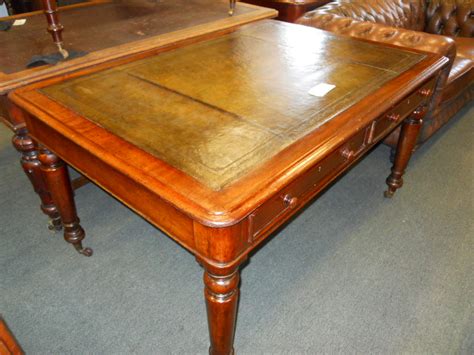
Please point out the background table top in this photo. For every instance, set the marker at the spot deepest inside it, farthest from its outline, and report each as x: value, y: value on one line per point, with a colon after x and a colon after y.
x: 109, y: 29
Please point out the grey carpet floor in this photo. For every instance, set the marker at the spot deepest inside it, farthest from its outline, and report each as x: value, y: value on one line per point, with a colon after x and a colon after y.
x: 354, y: 273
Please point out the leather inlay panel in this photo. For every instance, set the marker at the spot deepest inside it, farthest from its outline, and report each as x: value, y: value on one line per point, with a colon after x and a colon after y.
x: 215, y: 119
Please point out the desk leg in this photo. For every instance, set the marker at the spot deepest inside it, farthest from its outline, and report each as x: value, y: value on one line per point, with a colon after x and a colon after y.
x: 57, y: 180
x: 31, y: 166
x: 222, y: 294
x: 406, y: 144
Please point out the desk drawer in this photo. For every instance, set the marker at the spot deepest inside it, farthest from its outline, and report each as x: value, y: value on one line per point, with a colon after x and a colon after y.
x: 270, y: 212
x: 3, y: 110
x: 394, y: 116
x: 296, y: 193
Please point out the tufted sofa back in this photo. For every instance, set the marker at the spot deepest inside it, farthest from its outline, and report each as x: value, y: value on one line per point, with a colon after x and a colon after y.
x: 445, y: 17
x: 407, y: 14
x: 450, y: 17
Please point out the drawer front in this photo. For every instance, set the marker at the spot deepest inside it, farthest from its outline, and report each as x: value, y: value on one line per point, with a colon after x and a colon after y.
x: 295, y: 194
x: 394, y: 116
x: 291, y: 197
x: 3, y: 109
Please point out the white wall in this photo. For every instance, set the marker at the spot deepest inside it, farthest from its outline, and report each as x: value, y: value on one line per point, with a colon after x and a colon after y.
x: 3, y: 10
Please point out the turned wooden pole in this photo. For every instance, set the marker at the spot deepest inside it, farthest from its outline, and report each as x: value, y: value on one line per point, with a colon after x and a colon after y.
x: 31, y: 164
x: 231, y: 7
x: 221, y: 293
x: 57, y: 180
x: 406, y: 144
x: 50, y: 9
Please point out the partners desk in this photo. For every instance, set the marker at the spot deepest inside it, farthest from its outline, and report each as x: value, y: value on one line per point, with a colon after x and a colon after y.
x: 220, y: 142
x: 103, y: 30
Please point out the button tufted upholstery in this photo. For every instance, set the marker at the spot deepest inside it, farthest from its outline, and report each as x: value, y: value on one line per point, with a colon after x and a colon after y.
x: 450, y: 17
x: 440, y: 26
x: 407, y: 14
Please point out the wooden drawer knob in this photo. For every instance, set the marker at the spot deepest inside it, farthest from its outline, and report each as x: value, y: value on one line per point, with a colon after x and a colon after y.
x: 290, y: 201
x: 425, y: 92
x: 347, y: 153
x: 394, y: 117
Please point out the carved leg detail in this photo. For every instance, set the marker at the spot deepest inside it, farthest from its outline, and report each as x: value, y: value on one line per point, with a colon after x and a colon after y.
x: 222, y: 294
x: 57, y: 179
x: 406, y: 144
x: 31, y: 166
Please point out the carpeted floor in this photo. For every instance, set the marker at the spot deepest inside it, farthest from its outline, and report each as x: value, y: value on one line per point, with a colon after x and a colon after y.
x: 354, y: 273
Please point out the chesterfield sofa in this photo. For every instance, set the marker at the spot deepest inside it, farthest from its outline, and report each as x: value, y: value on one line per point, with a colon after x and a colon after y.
x: 440, y: 26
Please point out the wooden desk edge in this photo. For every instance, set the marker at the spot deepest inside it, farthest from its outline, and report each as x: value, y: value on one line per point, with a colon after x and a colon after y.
x: 218, y: 218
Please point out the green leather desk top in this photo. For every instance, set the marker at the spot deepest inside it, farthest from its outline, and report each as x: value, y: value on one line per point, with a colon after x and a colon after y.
x: 220, y: 108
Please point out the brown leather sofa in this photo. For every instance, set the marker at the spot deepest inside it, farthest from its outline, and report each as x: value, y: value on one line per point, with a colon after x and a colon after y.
x: 440, y: 26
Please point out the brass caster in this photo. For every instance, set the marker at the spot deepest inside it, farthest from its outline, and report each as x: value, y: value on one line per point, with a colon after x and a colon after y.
x: 83, y: 251
x: 86, y: 251
x: 55, y: 226
x: 389, y: 193
x: 64, y: 52
x: 232, y: 352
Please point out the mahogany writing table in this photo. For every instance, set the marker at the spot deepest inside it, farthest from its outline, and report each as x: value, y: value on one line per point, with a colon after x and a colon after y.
x: 105, y: 30
x: 220, y: 142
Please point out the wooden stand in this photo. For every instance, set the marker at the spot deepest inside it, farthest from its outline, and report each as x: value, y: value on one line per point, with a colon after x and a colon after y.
x: 406, y: 144
x: 57, y: 180
x: 222, y: 294
x: 54, y: 26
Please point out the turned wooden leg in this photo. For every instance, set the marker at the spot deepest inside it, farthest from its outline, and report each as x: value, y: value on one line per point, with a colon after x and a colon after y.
x: 57, y: 180
x: 31, y: 166
x: 222, y: 294
x: 406, y: 144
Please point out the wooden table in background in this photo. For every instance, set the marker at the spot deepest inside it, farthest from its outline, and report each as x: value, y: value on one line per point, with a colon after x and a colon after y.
x: 106, y: 30
x: 289, y: 10
x: 220, y: 142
